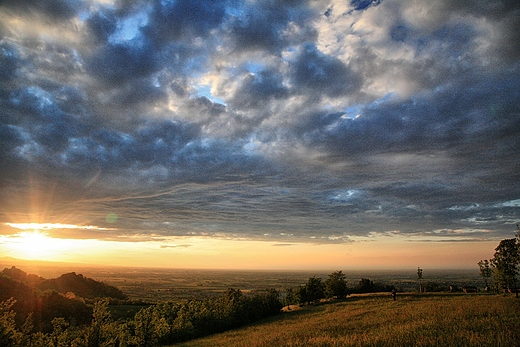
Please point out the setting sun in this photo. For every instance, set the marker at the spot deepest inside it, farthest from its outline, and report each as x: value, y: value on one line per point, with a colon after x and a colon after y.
x: 52, y: 242
x: 37, y: 245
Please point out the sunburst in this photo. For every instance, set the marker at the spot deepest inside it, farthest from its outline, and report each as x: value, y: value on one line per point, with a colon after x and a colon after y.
x: 34, y: 241
x: 37, y: 245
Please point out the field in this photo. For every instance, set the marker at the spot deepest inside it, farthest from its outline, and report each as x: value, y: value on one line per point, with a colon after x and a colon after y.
x: 376, y: 320
x: 176, y: 284
x: 160, y: 284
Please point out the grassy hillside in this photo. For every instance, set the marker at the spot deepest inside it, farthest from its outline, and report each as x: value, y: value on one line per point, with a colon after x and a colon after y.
x: 376, y: 320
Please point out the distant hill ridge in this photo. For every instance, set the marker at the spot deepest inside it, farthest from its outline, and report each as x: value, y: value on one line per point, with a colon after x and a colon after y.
x: 67, y: 283
x: 45, y: 299
x: 81, y: 286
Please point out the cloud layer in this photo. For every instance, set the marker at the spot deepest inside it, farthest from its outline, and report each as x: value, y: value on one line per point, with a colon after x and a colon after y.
x: 271, y: 120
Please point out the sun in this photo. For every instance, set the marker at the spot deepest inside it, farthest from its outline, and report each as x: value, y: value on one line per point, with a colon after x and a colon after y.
x: 36, y: 245
x: 39, y: 241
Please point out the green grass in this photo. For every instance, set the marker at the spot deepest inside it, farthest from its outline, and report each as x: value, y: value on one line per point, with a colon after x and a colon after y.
x: 376, y: 320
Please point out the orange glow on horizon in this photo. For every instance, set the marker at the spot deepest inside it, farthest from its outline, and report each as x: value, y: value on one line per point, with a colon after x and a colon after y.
x: 379, y: 252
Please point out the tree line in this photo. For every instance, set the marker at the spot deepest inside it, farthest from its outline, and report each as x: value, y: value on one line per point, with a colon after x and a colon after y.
x: 160, y: 324
x: 500, y: 272
x: 74, y: 323
x: 334, y: 287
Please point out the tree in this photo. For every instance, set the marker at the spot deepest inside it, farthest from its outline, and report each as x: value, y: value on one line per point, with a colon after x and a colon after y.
x: 365, y: 285
x: 59, y: 332
x: 485, y: 271
x: 312, y: 292
x: 149, y: 327
x: 9, y: 336
x: 506, y: 263
x: 420, y: 277
x: 100, y: 323
x: 291, y: 297
x: 336, y: 285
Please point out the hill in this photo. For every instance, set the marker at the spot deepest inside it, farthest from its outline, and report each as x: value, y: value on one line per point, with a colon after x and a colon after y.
x: 376, y: 320
x: 46, y: 299
x: 81, y: 286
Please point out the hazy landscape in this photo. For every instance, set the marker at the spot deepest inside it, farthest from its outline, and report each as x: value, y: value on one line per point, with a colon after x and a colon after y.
x: 155, y: 284
x: 177, y: 306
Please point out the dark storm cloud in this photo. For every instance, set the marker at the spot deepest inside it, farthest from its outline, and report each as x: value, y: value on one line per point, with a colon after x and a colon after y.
x: 151, y: 144
x: 116, y: 64
x: 323, y: 74
x: 102, y: 25
x: 256, y: 90
x: 174, y: 20
x: 272, y: 25
x: 9, y: 62
x: 449, y: 119
x: 291, y: 120
x: 53, y: 9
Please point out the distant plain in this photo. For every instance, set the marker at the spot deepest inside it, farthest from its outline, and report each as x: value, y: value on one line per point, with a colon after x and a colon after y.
x: 159, y: 284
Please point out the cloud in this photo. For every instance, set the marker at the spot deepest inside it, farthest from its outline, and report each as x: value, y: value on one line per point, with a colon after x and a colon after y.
x: 53, y: 9
x: 173, y: 21
x: 176, y: 246
x: 294, y: 120
x: 287, y: 26
x: 323, y: 74
x: 114, y: 62
x: 258, y: 89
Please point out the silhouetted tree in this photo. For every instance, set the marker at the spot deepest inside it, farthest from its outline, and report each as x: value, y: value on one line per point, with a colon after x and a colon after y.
x: 336, y: 285
x: 365, y: 286
x: 290, y: 297
x: 312, y: 292
x: 506, y: 263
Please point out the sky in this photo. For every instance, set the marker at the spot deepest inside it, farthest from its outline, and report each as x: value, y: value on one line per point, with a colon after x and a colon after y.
x: 259, y: 134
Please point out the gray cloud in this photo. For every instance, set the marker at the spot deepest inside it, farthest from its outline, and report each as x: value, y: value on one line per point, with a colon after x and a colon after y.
x: 53, y: 9
x: 287, y: 121
x: 175, y: 20
x: 271, y: 26
x: 322, y: 74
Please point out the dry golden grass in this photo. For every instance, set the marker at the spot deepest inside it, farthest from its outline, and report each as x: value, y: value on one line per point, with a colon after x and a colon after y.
x: 376, y: 320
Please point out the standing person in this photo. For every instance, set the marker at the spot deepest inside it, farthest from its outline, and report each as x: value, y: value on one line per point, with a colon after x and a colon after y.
x: 394, y: 294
